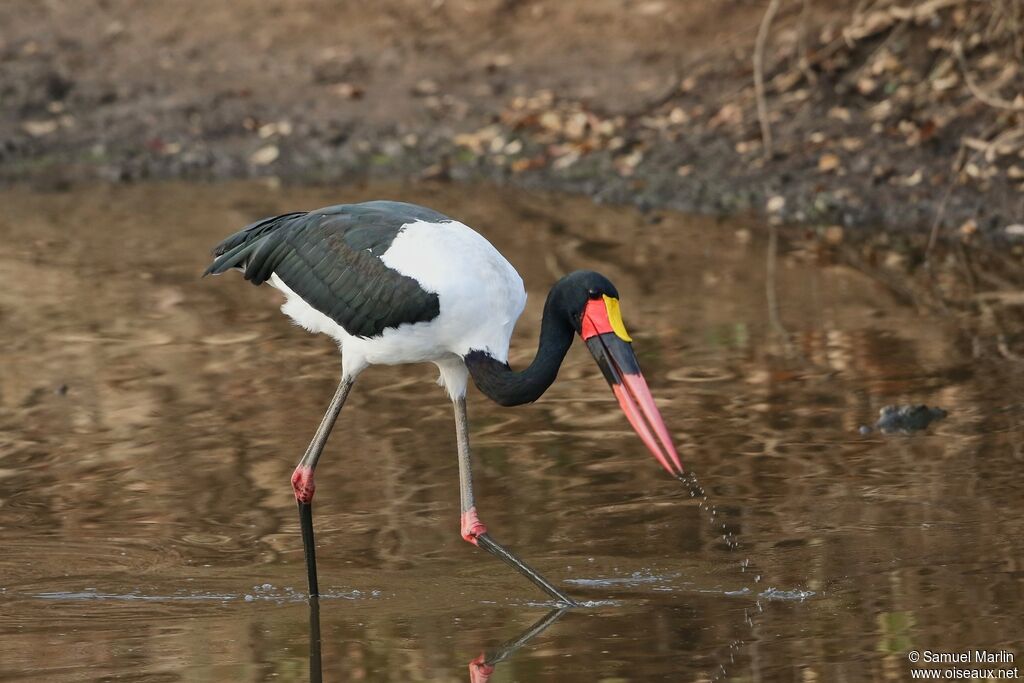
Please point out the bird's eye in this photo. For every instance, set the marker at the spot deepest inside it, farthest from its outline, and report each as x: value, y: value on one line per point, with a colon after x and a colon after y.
x: 593, y: 294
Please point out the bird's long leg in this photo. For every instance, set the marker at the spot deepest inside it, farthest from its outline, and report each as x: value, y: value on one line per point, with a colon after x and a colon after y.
x: 302, y: 479
x: 316, y: 674
x: 473, y: 530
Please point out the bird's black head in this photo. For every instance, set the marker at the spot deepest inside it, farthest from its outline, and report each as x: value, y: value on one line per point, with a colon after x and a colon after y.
x: 571, y: 295
x: 590, y: 303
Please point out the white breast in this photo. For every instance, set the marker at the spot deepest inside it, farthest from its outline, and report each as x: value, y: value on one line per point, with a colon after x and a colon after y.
x: 480, y: 294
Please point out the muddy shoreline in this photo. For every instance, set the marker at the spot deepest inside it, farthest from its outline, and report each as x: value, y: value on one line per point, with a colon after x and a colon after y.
x: 650, y: 105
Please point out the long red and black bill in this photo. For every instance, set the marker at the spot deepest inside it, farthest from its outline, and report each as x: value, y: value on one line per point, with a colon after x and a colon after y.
x: 608, y: 341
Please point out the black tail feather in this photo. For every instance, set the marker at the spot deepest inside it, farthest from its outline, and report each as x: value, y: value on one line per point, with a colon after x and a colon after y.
x: 236, y: 249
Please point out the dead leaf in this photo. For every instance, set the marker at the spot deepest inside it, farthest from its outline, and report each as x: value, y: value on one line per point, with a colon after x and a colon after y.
x: 869, y: 25
x: 265, y: 155
x: 840, y: 114
x: 884, y: 62
x: 912, y: 180
x: 731, y: 115
x: 880, y: 111
x: 947, y: 83
x: 851, y: 144
x: 526, y: 164
x: 927, y: 130
x: 38, y: 129
x: 833, y: 234
x: 747, y: 146
x: 551, y: 121
x: 828, y: 163
x: 576, y: 125
x: 866, y: 85
x: 277, y: 128
x: 497, y: 145
x: 566, y: 160
x: 424, y: 87
x: 910, y: 129
x: 894, y: 260
x: 977, y: 172
x: 470, y: 141
x: 349, y: 91
x: 678, y: 116
x: 627, y: 163
x: 785, y: 81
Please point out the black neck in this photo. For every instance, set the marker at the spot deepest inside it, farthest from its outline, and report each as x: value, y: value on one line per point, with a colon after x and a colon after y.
x: 510, y: 388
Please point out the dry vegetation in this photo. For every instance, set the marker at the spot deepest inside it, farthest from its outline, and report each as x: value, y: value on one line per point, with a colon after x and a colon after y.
x: 885, y: 116
x: 961, y: 78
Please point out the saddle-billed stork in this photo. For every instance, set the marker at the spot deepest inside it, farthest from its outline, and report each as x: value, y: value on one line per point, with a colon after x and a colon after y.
x: 394, y: 283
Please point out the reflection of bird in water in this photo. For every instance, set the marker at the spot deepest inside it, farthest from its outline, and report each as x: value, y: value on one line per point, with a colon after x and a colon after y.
x: 316, y: 668
x: 482, y: 668
x: 398, y: 283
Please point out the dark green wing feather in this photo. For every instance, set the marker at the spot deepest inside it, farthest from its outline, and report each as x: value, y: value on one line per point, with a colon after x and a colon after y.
x: 331, y: 258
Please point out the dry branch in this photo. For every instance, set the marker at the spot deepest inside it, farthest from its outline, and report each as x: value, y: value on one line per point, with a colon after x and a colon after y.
x: 762, y: 105
x: 988, y: 98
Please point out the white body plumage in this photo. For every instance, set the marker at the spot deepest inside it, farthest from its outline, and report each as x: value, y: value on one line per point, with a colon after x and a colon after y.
x: 481, y: 297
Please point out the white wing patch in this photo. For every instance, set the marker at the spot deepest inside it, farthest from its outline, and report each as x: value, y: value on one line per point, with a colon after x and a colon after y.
x: 481, y: 297
x: 480, y: 293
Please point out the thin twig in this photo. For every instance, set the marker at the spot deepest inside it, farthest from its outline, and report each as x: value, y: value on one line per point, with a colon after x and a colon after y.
x: 802, y: 62
x: 965, y: 263
x: 893, y: 35
x: 762, y: 105
x: 770, y: 284
x: 939, y: 215
x: 989, y: 312
x: 941, y: 212
x: 987, y: 98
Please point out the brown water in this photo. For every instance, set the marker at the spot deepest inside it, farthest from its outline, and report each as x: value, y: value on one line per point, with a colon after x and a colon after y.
x: 150, y: 420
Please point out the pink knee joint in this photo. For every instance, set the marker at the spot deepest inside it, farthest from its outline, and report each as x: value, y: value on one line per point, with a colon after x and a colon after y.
x: 303, y: 485
x: 472, y: 526
x: 479, y: 670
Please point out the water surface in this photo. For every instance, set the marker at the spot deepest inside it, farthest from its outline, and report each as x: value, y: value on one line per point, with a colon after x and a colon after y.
x: 150, y: 420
